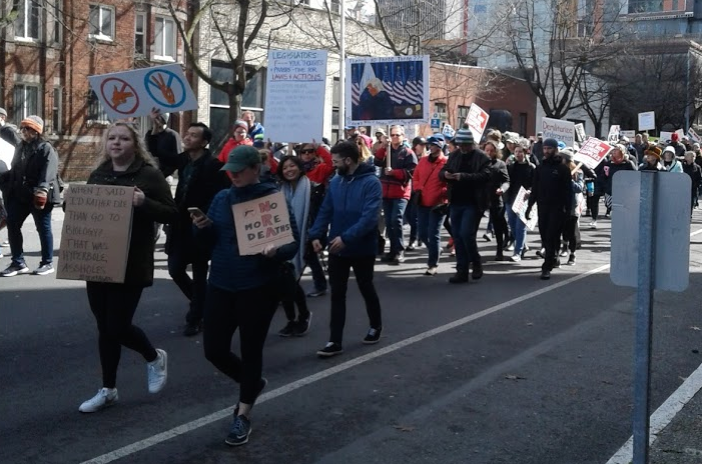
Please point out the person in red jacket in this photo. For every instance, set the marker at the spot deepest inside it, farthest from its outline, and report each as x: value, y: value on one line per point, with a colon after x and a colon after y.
x: 432, y: 199
x: 240, y: 133
x: 396, y: 181
x: 317, y: 161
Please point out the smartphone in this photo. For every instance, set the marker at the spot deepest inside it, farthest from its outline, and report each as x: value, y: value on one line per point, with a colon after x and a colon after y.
x: 197, y: 212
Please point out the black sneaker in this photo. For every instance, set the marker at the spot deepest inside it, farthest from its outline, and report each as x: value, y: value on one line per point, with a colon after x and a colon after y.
x: 557, y: 265
x: 239, y: 432
x: 545, y: 274
x: 289, y: 329
x: 540, y: 253
x: 372, y: 337
x: 488, y: 237
x: 14, y: 269
x: 459, y: 277
x: 44, y: 269
x: 331, y: 349
x: 571, y: 260
x: 387, y: 258
x: 477, y: 271
x: 303, y: 326
x: 317, y: 293
x: 410, y: 247
x: 192, y: 329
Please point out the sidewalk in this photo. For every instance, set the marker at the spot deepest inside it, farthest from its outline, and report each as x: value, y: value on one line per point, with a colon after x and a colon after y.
x: 681, y: 441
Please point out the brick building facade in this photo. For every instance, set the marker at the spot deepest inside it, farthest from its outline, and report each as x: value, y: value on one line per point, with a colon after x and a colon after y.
x: 52, y: 46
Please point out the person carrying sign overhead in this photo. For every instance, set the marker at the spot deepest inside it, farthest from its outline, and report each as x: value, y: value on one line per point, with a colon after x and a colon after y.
x: 163, y: 143
x: 125, y: 162
x: 243, y: 290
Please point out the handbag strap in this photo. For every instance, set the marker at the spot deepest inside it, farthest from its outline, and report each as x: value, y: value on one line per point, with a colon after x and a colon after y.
x: 429, y: 176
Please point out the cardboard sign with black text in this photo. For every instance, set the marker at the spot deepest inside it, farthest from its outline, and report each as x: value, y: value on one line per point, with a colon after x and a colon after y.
x: 96, y: 232
x: 262, y: 222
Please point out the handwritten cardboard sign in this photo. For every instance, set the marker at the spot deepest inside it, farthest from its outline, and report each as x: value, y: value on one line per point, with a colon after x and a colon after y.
x: 563, y: 131
x: 592, y: 152
x: 613, y: 135
x: 520, y: 205
x: 96, y: 232
x: 647, y: 120
x: 261, y: 222
x: 135, y: 93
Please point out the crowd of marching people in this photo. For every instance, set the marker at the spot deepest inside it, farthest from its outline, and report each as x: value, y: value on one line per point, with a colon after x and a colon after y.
x: 349, y: 205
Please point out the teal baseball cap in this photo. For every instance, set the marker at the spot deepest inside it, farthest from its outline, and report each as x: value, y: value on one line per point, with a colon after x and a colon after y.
x: 242, y: 157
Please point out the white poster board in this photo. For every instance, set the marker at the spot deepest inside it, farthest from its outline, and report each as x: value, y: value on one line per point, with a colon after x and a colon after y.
x: 387, y: 90
x: 592, y: 152
x: 563, y: 131
x: 681, y: 134
x: 647, y: 120
x: 630, y: 134
x: 262, y: 222
x: 7, y: 152
x: 135, y: 93
x: 693, y: 135
x: 296, y: 87
x: 665, y: 136
x: 613, y: 135
x: 520, y: 205
x: 580, y: 135
x: 477, y: 121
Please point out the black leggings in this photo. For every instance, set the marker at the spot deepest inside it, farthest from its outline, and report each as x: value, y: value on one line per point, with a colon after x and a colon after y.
x: 251, y: 311
x: 300, y: 300
x: 499, y: 225
x: 571, y: 233
x: 594, y: 205
x: 113, y: 306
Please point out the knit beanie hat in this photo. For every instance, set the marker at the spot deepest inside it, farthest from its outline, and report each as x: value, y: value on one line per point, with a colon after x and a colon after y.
x: 553, y: 143
x: 463, y: 135
x: 33, y: 122
x: 241, y: 123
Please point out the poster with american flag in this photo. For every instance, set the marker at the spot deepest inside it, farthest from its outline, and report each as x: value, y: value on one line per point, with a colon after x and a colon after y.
x: 387, y: 90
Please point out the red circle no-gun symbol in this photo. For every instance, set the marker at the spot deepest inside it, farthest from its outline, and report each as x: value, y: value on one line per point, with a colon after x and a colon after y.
x: 118, y: 92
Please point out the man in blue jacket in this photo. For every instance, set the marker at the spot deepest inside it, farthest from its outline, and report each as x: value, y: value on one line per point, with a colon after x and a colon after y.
x: 350, y: 212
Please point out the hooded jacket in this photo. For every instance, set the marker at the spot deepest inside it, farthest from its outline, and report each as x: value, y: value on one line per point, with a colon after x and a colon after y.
x: 34, y: 165
x: 499, y: 180
x: 552, y: 188
x: 350, y: 210
x: 158, y: 207
x: 607, y: 169
x: 229, y: 270
x: 229, y: 146
x: 520, y: 175
x: 426, y: 179
x: 674, y: 166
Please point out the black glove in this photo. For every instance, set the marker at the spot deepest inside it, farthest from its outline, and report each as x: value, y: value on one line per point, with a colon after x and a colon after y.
x: 527, y: 214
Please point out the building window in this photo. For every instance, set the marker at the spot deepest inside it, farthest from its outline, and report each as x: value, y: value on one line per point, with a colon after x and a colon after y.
x: 165, y: 39
x: 96, y: 112
x: 140, y: 34
x: 335, y: 6
x: 102, y: 24
x: 462, y: 115
x: 26, y: 99
x: 523, y: 123
x: 27, y: 21
x: 56, y: 111
x: 441, y: 109
x: 58, y: 25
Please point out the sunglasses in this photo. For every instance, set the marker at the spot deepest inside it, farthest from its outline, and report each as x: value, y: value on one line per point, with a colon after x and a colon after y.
x: 395, y: 135
x: 306, y: 151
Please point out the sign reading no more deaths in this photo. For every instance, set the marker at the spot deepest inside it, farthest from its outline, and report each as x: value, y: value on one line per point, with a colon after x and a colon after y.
x: 262, y: 222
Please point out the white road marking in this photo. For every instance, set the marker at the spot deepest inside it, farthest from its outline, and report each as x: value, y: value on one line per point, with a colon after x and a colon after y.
x: 224, y: 413
x: 666, y: 412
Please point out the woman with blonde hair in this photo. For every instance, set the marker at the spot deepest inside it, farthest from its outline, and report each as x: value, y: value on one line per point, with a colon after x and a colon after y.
x: 126, y: 162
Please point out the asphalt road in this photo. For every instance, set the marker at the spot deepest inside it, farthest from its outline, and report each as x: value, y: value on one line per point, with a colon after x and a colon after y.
x: 506, y: 370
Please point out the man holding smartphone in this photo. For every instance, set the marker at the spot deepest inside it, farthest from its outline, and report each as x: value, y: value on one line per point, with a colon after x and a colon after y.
x: 200, y: 179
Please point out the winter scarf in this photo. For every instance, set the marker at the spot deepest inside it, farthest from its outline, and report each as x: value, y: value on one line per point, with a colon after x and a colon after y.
x: 299, y: 200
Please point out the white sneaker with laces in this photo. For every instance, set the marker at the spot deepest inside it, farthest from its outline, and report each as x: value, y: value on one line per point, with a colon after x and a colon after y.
x: 105, y: 397
x: 593, y: 225
x: 157, y: 372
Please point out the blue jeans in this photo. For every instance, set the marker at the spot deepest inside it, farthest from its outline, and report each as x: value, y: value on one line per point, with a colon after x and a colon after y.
x: 394, y: 210
x: 412, y: 219
x: 16, y: 215
x: 518, y: 228
x: 465, y: 220
x: 429, y: 230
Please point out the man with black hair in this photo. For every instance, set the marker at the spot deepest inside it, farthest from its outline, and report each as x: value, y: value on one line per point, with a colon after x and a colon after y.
x: 350, y: 214
x: 200, y: 179
x: 163, y: 143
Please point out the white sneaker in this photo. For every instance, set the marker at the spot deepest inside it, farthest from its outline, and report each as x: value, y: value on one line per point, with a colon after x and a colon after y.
x: 105, y: 397
x: 593, y: 225
x: 515, y: 258
x: 157, y: 372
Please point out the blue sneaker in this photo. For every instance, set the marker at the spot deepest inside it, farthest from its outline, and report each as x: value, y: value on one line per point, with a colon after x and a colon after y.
x: 239, y: 432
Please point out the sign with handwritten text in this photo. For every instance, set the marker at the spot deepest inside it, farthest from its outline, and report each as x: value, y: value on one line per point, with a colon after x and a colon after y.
x: 135, y: 93
x: 295, y: 92
x: 96, y: 232
x: 563, y: 131
x: 262, y: 222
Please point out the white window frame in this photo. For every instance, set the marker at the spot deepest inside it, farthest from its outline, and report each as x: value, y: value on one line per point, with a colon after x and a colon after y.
x: 24, y: 112
x: 57, y: 108
x: 26, y: 6
x: 158, y: 57
x: 142, y: 16
x: 100, y: 35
